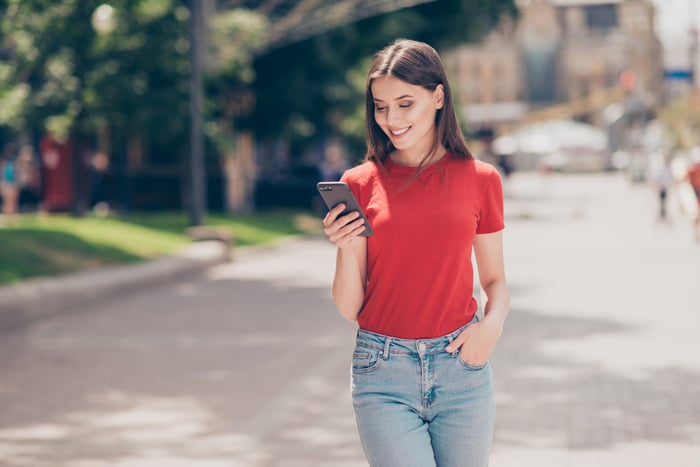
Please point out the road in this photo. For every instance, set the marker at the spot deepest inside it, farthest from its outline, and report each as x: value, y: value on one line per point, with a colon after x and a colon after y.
x: 247, y: 365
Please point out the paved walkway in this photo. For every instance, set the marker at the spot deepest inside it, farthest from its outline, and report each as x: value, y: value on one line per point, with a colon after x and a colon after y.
x: 247, y: 365
x: 599, y: 364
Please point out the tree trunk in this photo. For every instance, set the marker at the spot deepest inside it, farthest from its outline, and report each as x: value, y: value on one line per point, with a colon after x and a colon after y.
x: 240, y: 172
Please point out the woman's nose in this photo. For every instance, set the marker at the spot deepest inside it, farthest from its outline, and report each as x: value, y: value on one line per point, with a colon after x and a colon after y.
x: 392, y: 116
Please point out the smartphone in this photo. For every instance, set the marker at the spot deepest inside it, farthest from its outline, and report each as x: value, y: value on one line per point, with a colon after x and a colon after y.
x: 334, y: 193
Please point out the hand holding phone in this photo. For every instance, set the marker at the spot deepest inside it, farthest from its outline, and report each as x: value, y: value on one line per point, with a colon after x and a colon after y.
x: 335, y: 193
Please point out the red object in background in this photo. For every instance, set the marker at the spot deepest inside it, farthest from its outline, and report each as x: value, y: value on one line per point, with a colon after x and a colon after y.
x: 628, y: 79
x: 57, y: 164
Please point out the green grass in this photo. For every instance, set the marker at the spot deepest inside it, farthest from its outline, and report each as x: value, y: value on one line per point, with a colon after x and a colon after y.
x: 41, y: 245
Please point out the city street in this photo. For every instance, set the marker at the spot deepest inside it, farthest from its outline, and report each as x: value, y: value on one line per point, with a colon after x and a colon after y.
x: 248, y: 365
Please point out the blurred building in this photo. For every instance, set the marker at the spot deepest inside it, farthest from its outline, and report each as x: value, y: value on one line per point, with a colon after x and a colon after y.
x: 561, y: 59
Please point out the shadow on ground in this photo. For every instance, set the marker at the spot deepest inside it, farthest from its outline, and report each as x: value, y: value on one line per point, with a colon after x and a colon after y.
x: 549, y: 400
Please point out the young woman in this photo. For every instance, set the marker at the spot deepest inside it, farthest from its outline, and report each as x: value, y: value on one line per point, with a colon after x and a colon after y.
x: 421, y: 384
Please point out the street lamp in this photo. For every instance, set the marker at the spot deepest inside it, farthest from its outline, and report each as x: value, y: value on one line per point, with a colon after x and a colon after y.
x: 103, y: 21
x: 694, y: 81
x: 197, y: 174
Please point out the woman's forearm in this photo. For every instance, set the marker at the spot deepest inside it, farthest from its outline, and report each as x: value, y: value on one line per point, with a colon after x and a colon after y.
x: 497, y: 303
x: 350, y: 279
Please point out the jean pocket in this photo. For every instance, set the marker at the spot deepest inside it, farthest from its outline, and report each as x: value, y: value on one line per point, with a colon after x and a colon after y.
x: 470, y: 366
x: 365, y: 360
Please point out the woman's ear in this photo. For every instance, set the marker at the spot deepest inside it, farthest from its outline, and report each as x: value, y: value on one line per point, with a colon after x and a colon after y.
x: 439, y: 94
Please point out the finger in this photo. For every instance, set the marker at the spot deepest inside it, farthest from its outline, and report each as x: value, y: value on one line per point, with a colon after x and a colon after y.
x: 331, y: 218
x: 349, y: 217
x: 456, y: 344
x: 332, y: 214
x: 351, y: 229
x: 356, y: 228
x: 348, y: 239
x: 337, y: 209
x: 472, y: 355
x: 338, y: 224
x: 459, y: 340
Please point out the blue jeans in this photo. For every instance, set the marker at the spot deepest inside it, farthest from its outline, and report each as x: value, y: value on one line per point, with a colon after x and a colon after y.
x: 417, y: 405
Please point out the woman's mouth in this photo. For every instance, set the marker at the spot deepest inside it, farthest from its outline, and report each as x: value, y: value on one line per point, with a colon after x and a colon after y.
x: 399, y: 132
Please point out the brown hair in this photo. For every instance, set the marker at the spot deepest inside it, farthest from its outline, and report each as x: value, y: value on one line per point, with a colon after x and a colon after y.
x: 418, y: 64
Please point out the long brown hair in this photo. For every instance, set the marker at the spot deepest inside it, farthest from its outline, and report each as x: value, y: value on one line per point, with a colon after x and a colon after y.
x: 418, y: 64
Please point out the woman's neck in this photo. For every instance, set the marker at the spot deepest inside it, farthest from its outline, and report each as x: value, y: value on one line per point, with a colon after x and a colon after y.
x: 414, y: 158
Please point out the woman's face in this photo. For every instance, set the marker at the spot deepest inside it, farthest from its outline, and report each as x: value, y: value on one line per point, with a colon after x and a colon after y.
x: 406, y: 114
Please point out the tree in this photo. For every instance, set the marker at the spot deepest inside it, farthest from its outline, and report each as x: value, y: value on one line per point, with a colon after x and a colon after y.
x: 64, y: 75
x: 313, y: 90
x: 234, y: 35
x: 123, y: 86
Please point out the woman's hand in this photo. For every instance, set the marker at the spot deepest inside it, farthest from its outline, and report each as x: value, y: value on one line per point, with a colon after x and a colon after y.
x: 342, y: 230
x: 476, y: 343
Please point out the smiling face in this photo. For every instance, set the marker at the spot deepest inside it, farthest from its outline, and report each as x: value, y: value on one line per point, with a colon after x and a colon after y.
x: 406, y: 114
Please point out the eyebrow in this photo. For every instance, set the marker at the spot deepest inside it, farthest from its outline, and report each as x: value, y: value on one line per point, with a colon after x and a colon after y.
x: 397, y: 99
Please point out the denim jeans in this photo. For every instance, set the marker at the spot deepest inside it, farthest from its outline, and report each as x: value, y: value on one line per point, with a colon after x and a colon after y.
x: 417, y: 405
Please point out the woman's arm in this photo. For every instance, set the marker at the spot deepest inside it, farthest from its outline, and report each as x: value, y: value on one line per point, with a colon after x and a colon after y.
x: 478, y: 341
x: 488, y: 250
x: 351, y: 261
x: 350, y: 278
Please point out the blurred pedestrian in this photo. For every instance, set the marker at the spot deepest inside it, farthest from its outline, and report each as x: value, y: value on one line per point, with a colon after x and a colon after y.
x: 9, y: 188
x: 661, y: 179
x: 422, y: 387
x: 333, y: 165
x: 693, y: 178
x: 28, y: 176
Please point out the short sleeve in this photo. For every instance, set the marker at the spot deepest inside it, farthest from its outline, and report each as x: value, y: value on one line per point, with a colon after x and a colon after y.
x: 359, y: 179
x: 350, y: 178
x: 491, y: 218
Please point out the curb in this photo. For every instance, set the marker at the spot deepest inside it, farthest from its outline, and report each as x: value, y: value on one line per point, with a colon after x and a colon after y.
x: 28, y: 301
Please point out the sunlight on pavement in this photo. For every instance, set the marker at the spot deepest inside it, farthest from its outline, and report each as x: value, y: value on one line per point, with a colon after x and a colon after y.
x: 146, y: 432
x: 247, y: 366
x: 288, y: 270
x: 632, y: 354
x: 645, y: 454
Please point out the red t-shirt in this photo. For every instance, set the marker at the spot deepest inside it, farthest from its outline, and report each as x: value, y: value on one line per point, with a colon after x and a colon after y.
x: 419, y: 270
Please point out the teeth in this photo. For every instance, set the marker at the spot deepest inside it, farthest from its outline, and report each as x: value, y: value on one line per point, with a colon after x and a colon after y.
x: 399, y: 132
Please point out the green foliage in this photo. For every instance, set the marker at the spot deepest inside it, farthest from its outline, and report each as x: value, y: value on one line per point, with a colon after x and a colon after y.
x: 66, y: 72
x: 30, y: 253
x: 246, y: 229
x: 50, y: 245
x: 234, y: 35
x: 312, y: 90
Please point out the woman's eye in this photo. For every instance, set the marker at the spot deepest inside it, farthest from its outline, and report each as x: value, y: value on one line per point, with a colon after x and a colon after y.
x: 406, y: 105
x: 380, y: 109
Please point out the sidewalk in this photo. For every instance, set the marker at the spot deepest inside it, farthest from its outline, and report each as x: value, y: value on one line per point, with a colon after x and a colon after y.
x: 598, y: 362
x: 247, y: 364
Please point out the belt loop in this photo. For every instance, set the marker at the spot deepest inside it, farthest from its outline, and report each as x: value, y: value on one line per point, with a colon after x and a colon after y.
x: 387, y: 343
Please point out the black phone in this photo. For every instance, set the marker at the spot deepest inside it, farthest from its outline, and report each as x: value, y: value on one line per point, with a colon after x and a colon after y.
x: 334, y: 193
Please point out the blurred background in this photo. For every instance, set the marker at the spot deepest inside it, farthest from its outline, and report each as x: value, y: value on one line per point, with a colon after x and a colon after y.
x: 235, y: 106
x: 134, y: 130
